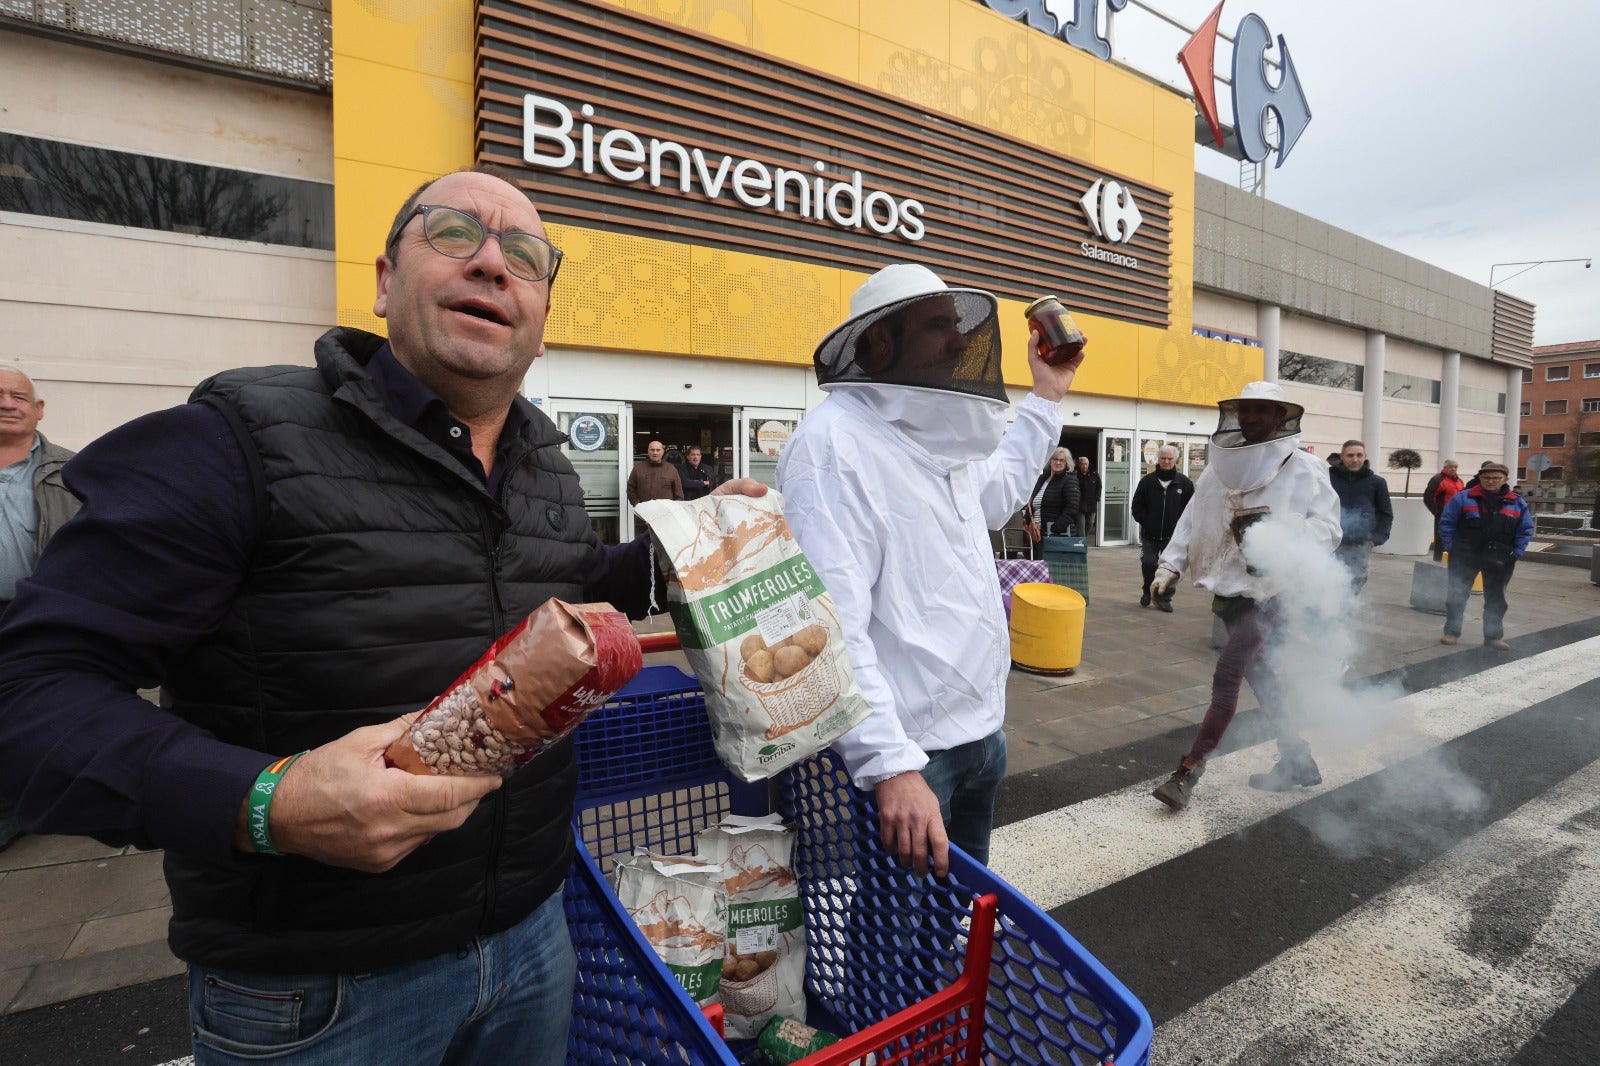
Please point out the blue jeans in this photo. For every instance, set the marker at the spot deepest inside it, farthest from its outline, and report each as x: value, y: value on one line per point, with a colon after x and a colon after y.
x: 965, y: 778
x: 501, y: 998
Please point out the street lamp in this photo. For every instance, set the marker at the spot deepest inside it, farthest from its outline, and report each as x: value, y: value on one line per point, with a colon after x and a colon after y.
x: 1529, y: 264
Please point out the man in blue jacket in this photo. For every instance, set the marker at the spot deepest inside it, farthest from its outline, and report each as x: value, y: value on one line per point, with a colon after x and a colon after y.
x: 1485, y: 529
x: 1364, y: 510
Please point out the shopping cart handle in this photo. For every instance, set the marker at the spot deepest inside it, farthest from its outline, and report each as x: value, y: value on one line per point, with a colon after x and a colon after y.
x: 655, y: 642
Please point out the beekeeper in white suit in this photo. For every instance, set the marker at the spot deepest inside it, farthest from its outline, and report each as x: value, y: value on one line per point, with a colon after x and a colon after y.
x: 891, y: 485
x: 1256, y: 472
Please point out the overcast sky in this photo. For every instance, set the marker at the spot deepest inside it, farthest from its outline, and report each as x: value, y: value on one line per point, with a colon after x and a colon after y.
x: 1462, y: 132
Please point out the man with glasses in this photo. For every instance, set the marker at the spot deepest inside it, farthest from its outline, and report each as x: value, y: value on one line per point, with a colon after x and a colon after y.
x: 1486, y: 529
x: 303, y: 557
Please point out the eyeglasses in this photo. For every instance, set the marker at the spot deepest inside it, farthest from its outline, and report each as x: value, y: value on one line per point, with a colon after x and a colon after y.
x: 454, y: 233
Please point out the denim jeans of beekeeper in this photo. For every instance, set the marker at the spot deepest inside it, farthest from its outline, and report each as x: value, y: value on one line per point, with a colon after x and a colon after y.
x: 965, y: 779
x: 501, y: 998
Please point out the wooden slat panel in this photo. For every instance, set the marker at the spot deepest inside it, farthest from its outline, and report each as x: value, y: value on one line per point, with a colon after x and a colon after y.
x: 1000, y: 213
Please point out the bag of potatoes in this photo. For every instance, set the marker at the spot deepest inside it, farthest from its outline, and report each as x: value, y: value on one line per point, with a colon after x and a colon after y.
x: 758, y: 628
x: 764, y: 968
x: 680, y: 907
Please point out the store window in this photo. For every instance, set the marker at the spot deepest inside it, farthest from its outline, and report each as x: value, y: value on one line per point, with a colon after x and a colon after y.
x: 1555, y: 407
x: 54, y: 179
x: 1553, y: 440
x: 1557, y: 373
x: 1410, y: 387
x: 1315, y: 370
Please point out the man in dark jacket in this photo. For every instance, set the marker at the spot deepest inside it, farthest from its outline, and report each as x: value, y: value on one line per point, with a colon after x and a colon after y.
x: 1440, y: 488
x: 1486, y: 529
x: 1158, y: 502
x: 34, y: 502
x: 1364, y: 510
x: 697, y: 476
x: 1088, y: 496
x: 302, y: 558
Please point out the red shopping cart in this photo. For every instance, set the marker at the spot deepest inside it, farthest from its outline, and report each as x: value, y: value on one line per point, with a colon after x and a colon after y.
x: 894, y: 963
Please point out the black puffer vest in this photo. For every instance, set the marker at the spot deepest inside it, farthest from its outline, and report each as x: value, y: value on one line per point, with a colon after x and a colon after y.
x: 382, y: 570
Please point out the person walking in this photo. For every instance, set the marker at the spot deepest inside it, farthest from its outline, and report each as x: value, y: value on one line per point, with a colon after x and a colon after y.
x: 1365, y: 514
x: 34, y: 503
x: 1053, y: 504
x: 1257, y: 473
x: 697, y: 477
x: 1088, y: 497
x: 890, y: 486
x: 1159, y: 500
x: 1440, y: 489
x: 653, y: 478
x: 1486, y: 529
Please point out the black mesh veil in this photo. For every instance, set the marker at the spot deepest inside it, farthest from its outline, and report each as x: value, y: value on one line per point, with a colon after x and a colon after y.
x: 925, y: 349
x: 1228, y: 434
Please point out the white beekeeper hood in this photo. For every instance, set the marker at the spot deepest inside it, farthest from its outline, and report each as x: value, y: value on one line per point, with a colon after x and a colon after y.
x: 1244, y: 466
x: 895, y: 288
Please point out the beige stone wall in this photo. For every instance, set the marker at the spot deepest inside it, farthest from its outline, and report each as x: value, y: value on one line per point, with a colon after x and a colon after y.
x: 113, y: 322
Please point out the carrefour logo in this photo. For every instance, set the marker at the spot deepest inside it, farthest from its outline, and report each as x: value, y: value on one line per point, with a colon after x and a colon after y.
x: 1114, y: 216
x: 554, y: 138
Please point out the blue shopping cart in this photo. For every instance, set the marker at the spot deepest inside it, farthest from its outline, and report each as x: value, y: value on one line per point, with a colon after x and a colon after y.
x: 888, y: 954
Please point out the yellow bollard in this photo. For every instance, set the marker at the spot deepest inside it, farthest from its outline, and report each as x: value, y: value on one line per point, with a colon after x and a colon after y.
x: 1046, y: 628
x: 1477, y: 580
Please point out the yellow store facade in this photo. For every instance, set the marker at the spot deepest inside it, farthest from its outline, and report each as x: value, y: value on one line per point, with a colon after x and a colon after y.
x: 722, y: 174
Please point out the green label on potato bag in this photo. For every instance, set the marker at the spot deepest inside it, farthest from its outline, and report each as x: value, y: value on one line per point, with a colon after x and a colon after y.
x: 730, y: 613
x: 699, y: 981
x: 780, y: 915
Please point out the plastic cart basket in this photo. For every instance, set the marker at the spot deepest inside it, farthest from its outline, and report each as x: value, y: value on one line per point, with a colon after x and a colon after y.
x: 881, y: 943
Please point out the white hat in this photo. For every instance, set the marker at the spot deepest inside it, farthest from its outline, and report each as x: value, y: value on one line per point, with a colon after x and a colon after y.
x: 887, y: 291
x: 1270, y: 391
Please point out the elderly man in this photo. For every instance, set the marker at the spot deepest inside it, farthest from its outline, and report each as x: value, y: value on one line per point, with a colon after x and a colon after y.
x: 1159, y: 500
x: 302, y: 557
x: 653, y: 478
x: 1089, y: 488
x: 1256, y: 472
x: 34, y: 502
x: 1441, y: 488
x: 890, y: 486
x: 1365, y: 514
x: 1486, y: 529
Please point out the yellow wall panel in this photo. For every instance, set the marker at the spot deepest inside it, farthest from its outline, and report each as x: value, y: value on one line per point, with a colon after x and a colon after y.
x: 1172, y: 124
x: 1125, y: 102
x: 352, y: 278
x: 729, y: 20
x: 818, y: 42
x: 845, y: 11
x: 428, y: 119
x: 1124, y: 153
x: 429, y: 36
x: 1178, y: 367
x: 914, y: 24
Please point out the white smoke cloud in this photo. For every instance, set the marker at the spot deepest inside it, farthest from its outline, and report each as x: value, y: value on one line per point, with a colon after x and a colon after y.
x: 1413, y: 802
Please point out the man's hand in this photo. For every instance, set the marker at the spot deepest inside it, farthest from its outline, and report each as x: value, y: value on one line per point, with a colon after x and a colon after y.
x: 911, y: 825
x: 740, y: 486
x: 1162, y: 583
x: 341, y: 805
x: 1052, y: 382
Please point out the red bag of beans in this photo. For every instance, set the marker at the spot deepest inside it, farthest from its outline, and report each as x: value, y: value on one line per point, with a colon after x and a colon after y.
x: 531, y: 688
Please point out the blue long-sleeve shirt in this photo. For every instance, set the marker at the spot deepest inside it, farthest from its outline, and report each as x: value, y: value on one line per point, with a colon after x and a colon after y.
x: 147, y: 569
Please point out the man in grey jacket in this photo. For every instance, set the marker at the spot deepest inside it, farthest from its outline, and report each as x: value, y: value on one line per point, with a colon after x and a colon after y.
x: 34, y: 502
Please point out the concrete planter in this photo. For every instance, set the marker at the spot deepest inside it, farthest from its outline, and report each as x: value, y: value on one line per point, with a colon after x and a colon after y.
x: 1430, y: 585
x: 1413, y: 527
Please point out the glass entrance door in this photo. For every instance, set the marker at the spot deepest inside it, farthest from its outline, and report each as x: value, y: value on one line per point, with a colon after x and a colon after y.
x: 763, y: 433
x: 1117, y: 463
x: 598, y: 432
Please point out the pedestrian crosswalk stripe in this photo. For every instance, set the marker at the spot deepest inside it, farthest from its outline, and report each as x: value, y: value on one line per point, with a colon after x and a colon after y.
x: 1061, y: 855
x: 1462, y: 961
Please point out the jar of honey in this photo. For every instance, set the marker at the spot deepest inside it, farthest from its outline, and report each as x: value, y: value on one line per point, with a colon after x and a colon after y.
x: 1060, y: 339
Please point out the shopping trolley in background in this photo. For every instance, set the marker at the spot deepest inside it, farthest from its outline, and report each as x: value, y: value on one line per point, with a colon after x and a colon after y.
x: 888, y: 955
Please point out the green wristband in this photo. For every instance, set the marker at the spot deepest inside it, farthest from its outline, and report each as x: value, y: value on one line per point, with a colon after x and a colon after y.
x: 260, y: 804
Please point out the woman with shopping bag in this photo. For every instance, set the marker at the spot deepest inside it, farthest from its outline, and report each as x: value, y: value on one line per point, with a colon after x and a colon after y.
x: 1053, y: 503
